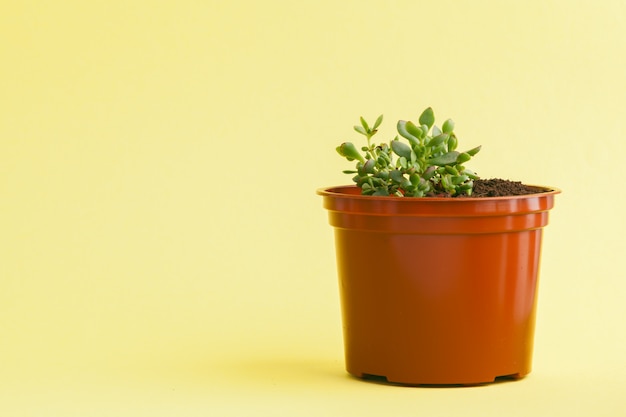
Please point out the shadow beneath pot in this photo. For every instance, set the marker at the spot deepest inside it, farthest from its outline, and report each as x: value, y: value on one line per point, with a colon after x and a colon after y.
x: 259, y: 372
x: 285, y: 370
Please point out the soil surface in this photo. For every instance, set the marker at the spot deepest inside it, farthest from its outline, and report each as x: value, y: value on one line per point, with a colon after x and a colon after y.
x: 497, y: 187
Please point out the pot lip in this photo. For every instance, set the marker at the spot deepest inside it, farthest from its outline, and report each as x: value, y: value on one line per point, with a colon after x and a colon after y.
x: 339, y: 191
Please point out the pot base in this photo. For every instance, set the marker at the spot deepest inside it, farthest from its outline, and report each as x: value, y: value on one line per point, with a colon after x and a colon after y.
x: 380, y: 379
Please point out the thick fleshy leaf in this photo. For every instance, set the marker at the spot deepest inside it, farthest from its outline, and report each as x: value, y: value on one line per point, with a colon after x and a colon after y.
x: 364, y: 124
x: 445, y: 159
x: 383, y: 159
x: 427, y: 117
x: 360, y: 130
x: 369, y: 166
x: 464, y: 157
x: 402, y: 130
x: 401, y: 149
x: 348, y: 150
x: 396, y: 175
x: 383, y: 175
x: 414, y: 130
x: 459, y: 179
x: 453, y: 142
x: 451, y: 170
x: 430, y: 171
x: 438, y: 140
x: 470, y: 174
x: 378, y: 122
x: 448, y: 126
x: 473, y: 151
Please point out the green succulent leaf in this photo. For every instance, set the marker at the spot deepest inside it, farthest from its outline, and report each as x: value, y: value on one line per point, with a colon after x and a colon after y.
x: 412, y: 129
x: 470, y: 174
x: 360, y: 129
x: 401, y: 149
x: 473, y: 151
x: 427, y: 117
x: 453, y: 142
x: 378, y: 122
x: 396, y: 175
x: 438, y: 140
x: 451, y: 170
x: 448, y: 126
x: 370, y: 166
x: 364, y: 124
x: 429, y: 173
x: 383, y: 175
x: 403, y: 131
x: 445, y: 159
x: 348, y: 150
x: 459, y: 179
x: 445, y: 181
x: 464, y: 157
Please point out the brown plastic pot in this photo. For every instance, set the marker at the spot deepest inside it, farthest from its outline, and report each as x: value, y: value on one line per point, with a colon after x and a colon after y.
x: 438, y: 290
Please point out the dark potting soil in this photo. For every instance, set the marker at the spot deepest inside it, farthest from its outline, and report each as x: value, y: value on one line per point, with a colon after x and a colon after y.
x: 497, y: 187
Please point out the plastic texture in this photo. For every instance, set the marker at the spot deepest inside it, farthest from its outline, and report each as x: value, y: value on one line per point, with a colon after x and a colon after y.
x: 438, y: 290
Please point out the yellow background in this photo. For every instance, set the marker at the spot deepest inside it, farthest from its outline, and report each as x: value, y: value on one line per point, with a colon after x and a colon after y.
x: 162, y: 249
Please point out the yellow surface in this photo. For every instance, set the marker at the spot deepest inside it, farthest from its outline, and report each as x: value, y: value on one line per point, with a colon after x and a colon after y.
x: 162, y: 249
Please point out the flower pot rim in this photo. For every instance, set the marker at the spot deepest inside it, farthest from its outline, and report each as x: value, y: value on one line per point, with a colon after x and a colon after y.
x: 351, y: 191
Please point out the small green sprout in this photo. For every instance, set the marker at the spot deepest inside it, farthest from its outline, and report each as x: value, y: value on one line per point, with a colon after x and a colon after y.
x: 427, y: 164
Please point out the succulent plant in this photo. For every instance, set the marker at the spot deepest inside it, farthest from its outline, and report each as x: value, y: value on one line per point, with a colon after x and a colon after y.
x: 426, y: 163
